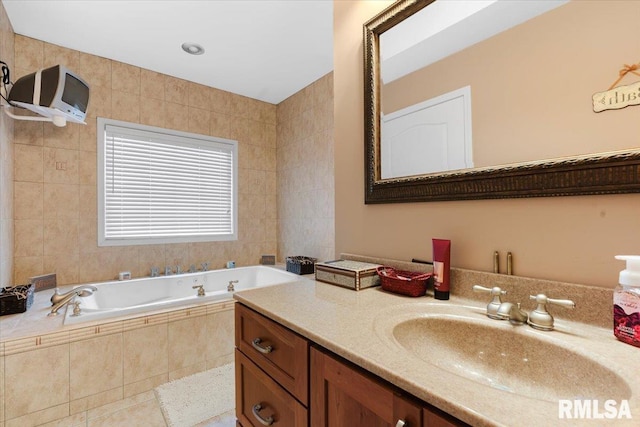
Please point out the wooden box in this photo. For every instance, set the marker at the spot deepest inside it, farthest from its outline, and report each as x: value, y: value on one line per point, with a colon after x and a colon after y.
x: 349, y: 274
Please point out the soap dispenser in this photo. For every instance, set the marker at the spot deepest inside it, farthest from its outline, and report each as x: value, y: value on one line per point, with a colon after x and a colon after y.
x: 626, y: 302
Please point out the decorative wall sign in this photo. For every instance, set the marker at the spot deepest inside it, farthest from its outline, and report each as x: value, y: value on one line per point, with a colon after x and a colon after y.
x: 621, y: 96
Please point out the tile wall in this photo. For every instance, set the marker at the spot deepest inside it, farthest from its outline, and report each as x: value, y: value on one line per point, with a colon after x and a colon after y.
x: 6, y: 162
x: 55, y: 170
x: 88, y: 367
x: 306, y: 209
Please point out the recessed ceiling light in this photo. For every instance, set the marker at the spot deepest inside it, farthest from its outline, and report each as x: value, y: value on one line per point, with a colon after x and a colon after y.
x: 193, y: 48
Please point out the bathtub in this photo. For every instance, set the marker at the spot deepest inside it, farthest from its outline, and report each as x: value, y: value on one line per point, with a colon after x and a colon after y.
x: 120, y: 298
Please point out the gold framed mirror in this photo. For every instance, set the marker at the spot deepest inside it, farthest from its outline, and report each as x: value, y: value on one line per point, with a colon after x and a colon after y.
x: 598, y: 171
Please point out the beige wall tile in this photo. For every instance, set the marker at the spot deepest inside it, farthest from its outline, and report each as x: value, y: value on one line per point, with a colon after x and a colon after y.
x: 125, y: 78
x: 100, y: 101
x: 187, y: 342
x: 28, y: 163
x: 58, y: 55
x: 145, y: 353
x: 26, y: 390
x: 2, y: 388
x: 151, y: 84
x: 28, y: 202
x: 29, y: 133
x: 76, y: 420
x: 152, y: 112
x: 125, y: 106
x: 61, y: 137
x: 188, y: 370
x: 220, y: 334
x: 25, y: 267
x: 60, y: 165
x: 103, y: 352
x: 176, y: 90
x: 29, y: 237
x: 199, y: 96
x: 87, y: 137
x: 198, y: 121
x: 176, y: 116
x: 61, y: 201
x: 30, y: 54
x: 123, y: 92
x: 95, y: 70
x: 138, y: 387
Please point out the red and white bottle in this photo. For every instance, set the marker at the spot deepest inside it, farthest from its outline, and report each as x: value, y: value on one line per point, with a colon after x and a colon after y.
x: 626, y: 302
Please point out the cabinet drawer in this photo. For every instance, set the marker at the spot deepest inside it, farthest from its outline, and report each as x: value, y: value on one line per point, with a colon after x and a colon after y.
x: 278, y: 351
x: 260, y: 401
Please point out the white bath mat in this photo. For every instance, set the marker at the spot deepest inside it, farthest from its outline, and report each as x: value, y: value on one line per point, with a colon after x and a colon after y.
x: 196, y: 398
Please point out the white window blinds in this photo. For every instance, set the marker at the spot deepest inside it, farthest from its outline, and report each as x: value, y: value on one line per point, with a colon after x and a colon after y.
x: 161, y: 186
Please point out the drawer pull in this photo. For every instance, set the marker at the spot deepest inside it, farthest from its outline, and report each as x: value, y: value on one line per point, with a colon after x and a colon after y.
x: 256, y: 409
x: 264, y: 350
x: 401, y: 423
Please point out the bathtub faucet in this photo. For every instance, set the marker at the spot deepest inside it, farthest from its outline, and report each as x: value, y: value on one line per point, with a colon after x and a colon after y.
x: 59, y: 300
x: 205, y: 266
x: 155, y: 271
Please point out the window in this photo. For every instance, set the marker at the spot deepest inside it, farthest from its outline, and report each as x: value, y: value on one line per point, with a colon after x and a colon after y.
x: 162, y: 186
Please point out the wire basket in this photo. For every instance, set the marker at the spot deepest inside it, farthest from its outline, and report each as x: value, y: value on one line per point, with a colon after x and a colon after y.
x: 16, y: 299
x: 300, y: 264
x: 408, y: 283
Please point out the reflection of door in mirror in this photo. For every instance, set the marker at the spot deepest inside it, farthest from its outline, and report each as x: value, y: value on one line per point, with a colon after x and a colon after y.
x: 428, y: 137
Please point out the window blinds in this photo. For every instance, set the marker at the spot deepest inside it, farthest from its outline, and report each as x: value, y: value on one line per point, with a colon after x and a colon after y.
x: 162, y: 188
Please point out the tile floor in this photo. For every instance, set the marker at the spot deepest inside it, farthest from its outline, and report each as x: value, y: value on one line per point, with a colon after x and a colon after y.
x: 142, y: 410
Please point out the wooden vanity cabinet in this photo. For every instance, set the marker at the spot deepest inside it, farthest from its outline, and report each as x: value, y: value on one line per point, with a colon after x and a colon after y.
x: 298, y: 385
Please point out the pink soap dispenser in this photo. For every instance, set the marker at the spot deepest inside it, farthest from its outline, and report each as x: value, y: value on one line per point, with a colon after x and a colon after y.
x: 626, y: 302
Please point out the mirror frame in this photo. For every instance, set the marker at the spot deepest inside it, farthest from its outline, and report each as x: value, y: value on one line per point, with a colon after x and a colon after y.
x: 604, y: 173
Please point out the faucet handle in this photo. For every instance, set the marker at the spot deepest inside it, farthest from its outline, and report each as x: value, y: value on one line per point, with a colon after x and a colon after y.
x: 543, y: 299
x: 496, y: 301
x: 495, y: 291
x: 540, y: 318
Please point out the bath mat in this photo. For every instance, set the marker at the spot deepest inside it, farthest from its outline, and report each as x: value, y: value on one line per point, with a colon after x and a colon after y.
x: 190, y: 400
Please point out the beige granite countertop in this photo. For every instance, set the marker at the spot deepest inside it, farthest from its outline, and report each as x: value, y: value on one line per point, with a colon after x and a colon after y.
x: 348, y: 323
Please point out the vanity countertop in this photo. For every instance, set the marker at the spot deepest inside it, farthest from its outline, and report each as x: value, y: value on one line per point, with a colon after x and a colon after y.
x: 348, y: 323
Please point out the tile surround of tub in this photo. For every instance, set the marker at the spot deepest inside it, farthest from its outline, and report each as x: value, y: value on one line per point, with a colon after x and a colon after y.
x: 305, y: 179
x: 99, y: 370
x: 55, y: 169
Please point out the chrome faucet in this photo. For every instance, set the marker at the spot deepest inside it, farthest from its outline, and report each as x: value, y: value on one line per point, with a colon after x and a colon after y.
x: 231, y: 287
x: 513, y: 313
x: 59, y: 300
x: 155, y: 271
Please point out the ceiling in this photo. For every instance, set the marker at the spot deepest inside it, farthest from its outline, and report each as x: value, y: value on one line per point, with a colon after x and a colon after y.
x: 263, y: 49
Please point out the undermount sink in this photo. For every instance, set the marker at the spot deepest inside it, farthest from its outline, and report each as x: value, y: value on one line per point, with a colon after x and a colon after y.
x: 496, y: 354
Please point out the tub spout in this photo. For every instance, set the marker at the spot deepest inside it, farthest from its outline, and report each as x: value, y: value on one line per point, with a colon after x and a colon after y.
x: 59, y: 300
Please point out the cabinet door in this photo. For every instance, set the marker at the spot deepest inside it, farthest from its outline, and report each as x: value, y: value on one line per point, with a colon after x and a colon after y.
x: 342, y: 396
x: 275, y: 349
x: 435, y: 418
x: 260, y: 401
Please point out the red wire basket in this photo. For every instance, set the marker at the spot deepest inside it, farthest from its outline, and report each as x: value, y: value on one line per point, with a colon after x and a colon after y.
x: 408, y: 283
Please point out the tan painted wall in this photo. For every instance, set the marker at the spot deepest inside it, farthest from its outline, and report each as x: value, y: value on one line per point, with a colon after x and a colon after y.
x: 6, y: 162
x: 568, y: 239
x: 531, y: 86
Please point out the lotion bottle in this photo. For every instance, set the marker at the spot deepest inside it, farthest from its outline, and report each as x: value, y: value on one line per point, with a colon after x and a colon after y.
x: 626, y: 302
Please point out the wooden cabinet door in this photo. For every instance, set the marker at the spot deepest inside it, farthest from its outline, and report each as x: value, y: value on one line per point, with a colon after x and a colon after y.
x: 260, y: 401
x: 275, y: 349
x: 435, y: 418
x: 343, y: 396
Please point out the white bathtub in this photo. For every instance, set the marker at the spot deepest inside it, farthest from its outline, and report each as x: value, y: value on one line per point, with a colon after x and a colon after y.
x: 119, y: 298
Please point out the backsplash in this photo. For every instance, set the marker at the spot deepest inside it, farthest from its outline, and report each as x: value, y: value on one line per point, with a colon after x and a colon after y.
x: 594, y: 304
x: 55, y: 170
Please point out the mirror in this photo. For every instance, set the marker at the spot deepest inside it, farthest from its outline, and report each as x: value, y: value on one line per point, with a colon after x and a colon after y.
x: 523, y: 97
